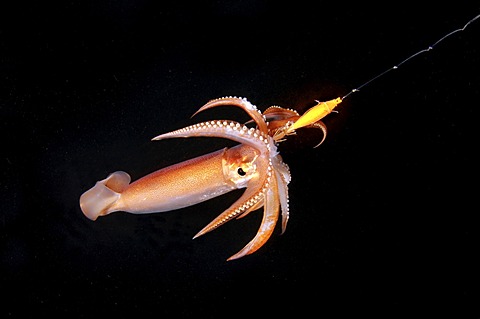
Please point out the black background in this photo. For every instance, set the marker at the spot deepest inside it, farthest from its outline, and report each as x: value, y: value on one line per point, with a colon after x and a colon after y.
x: 383, y: 214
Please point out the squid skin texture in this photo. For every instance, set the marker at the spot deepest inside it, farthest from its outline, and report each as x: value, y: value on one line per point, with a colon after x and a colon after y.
x: 177, y: 186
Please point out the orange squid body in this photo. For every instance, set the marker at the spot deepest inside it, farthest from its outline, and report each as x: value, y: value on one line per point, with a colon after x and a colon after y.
x: 254, y: 164
x: 177, y: 186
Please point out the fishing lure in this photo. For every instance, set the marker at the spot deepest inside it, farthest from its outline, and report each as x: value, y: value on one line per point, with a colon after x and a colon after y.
x: 254, y: 164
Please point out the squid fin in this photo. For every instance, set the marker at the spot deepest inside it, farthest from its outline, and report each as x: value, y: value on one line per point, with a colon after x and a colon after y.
x: 98, y: 199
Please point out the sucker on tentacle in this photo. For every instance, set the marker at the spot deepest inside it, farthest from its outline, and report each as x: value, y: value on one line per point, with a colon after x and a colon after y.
x: 225, y: 129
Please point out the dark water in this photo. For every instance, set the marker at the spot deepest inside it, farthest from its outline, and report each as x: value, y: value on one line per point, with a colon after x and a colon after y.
x: 383, y: 217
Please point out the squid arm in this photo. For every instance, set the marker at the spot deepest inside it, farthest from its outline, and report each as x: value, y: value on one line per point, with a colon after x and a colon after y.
x: 269, y: 220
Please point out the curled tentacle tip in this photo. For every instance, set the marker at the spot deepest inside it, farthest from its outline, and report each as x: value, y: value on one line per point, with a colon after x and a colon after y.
x: 318, y: 144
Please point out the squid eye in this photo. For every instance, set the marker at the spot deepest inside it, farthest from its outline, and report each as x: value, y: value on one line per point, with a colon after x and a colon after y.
x: 241, y: 172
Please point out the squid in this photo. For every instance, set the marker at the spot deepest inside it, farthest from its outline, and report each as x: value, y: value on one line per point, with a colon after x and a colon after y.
x: 254, y: 164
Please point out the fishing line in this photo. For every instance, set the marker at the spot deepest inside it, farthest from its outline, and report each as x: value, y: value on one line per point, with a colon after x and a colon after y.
x: 429, y: 48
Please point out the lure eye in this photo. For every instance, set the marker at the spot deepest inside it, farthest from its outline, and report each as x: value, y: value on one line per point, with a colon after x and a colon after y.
x: 241, y: 172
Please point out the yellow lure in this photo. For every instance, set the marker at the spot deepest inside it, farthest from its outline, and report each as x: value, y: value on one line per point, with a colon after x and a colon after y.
x: 314, y: 114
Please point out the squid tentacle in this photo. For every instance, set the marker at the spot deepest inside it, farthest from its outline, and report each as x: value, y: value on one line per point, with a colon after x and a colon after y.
x: 283, y: 196
x: 249, y: 200
x: 323, y: 127
x: 269, y: 220
x: 278, y: 113
x: 244, y: 104
x: 254, y: 207
x: 243, y: 205
x: 225, y: 129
